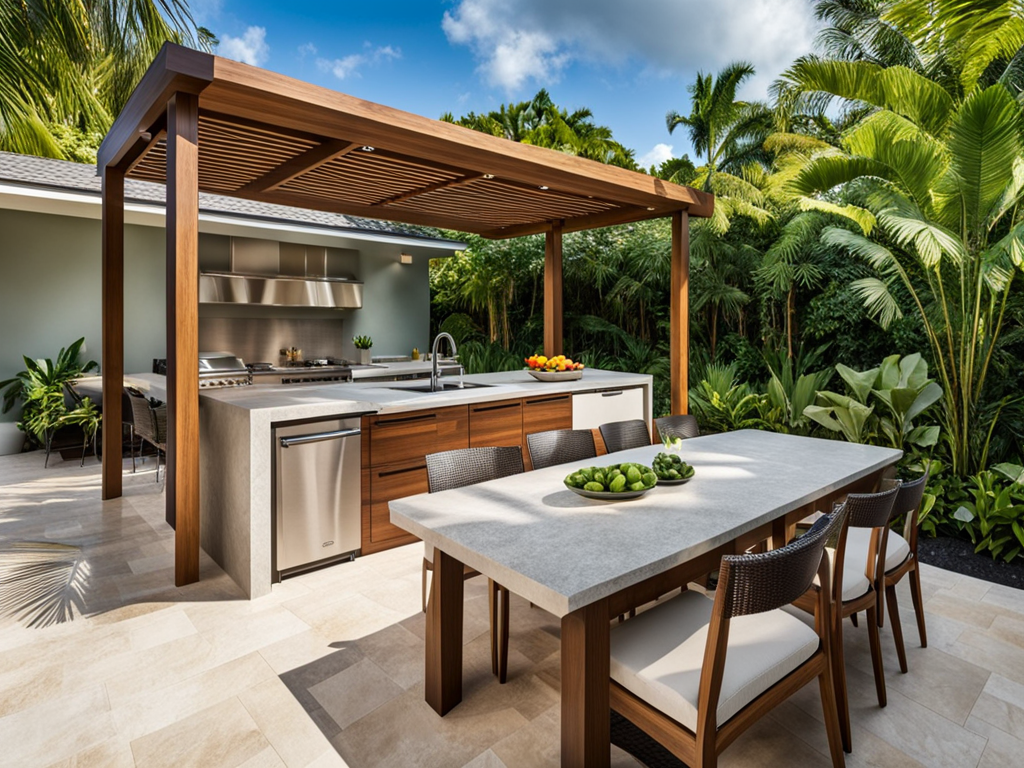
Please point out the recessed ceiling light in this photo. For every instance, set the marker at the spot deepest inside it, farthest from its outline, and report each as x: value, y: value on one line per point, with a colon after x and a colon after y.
x: 541, y: 187
x: 650, y: 207
x: 367, y: 149
x: 488, y: 175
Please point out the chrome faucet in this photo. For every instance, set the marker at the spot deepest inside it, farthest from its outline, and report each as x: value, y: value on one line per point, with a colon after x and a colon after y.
x: 435, y: 376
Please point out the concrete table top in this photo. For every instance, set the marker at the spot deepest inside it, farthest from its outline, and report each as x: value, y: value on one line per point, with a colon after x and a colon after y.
x: 561, y: 551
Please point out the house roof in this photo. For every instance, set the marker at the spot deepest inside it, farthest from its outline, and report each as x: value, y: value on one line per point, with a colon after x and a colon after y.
x: 266, y: 137
x: 47, y: 173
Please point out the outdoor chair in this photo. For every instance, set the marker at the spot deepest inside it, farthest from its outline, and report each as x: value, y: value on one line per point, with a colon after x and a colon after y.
x: 456, y: 469
x: 683, y: 426
x: 694, y: 673
x: 560, y: 446
x: 858, y: 583
x: 900, y: 559
x: 128, y: 420
x: 623, y: 435
x: 150, y: 424
x: 77, y: 401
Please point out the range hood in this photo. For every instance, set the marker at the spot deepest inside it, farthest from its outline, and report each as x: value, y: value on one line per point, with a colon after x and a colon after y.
x: 272, y: 274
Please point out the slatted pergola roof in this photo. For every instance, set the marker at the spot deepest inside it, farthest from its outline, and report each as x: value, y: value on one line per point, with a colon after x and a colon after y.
x: 198, y: 122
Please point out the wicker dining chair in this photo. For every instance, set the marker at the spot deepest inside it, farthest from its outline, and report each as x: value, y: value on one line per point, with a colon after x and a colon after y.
x: 695, y: 673
x: 456, y: 469
x: 900, y: 559
x: 858, y: 584
x: 623, y: 435
x: 559, y: 446
x: 150, y: 424
x: 683, y: 426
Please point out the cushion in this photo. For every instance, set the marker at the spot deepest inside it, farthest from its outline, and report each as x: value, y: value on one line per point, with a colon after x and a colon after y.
x: 855, y: 581
x: 658, y: 655
x: 858, y: 539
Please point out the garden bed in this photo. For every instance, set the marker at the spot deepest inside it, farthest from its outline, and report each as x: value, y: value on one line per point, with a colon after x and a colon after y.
x: 958, y: 555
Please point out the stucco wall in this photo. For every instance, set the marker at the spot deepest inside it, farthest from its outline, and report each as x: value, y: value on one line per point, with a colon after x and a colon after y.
x: 50, y: 292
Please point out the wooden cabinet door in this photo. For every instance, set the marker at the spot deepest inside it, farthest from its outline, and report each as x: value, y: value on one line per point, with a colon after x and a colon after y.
x: 496, y: 424
x: 542, y: 413
x: 400, y: 437
x: 394, y: 481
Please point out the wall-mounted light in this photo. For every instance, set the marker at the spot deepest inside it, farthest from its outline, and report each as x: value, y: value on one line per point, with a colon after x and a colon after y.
x: 406, y: 258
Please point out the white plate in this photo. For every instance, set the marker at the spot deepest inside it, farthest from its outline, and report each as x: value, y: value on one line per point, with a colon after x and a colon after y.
x: 555, y: 375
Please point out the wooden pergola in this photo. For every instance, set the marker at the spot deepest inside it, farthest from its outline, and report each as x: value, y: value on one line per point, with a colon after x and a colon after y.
x: 198, y: 122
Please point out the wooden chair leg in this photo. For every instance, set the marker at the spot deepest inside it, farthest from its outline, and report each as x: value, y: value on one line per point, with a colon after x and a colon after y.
x: 498, y: 599
x: 915, y: 594
x: 839, y: 683
x: 897, y: 629
x: 492, y: 607
x: 831, y: 713
x: 853, y: 619
x: 876, y: 654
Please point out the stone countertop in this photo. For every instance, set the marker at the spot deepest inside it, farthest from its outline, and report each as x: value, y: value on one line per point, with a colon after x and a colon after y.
x: 562, y: 551
x: 286, y: 402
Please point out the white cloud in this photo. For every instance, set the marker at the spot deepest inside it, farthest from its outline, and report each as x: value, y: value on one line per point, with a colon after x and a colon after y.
x: 657, y: 155
x: 307, y: 49
x: 517, y: 41
x: 250, y: 48
x: 348, y: 66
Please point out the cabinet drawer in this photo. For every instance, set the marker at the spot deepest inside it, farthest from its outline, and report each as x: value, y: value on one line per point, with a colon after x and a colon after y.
x: 496, y: 424
x: 395, y: 481
x: 592, y: 409
x: 543, y: 413
x: 409, y: 436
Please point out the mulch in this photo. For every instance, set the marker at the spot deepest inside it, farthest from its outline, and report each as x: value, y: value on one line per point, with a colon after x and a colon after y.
x: 958, y: 555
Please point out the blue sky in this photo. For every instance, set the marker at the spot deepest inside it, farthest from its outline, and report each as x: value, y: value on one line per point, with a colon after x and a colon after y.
x: 629, y: 61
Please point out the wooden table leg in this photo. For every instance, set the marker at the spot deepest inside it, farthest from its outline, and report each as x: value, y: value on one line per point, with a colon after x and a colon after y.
x: 444, y: 634
x: 586, y: 730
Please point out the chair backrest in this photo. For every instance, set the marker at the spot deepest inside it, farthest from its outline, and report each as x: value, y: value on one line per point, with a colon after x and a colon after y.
x: 143, y: 417
x: 623, y: 435
x: 866, y: 510
x: 467, y: 466
x: 684, y: 426
x: 755, y: 583
x: 908, y: 502
x: 559, y: 446
x: 871, y: 510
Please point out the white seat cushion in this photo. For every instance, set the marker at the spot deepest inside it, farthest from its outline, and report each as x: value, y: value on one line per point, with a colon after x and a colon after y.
x: 658, y: 655
x: 855, y: 581
x: 858, y: 539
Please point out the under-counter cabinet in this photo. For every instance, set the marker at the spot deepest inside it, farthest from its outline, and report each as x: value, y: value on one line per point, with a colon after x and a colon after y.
x: 496, y: 424
x: 592, y: 409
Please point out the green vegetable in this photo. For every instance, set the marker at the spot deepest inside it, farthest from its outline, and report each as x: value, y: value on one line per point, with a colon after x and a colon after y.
x: 592, y: 486
x: 618, y: 483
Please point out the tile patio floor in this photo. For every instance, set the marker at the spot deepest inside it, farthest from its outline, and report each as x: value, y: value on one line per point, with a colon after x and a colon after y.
x: 328, y: 669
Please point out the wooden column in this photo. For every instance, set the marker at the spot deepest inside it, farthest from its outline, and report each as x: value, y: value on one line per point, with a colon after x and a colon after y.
x: 113, y: 327
x: 553, y: 290
x: 586, y: 730
x: 183, y: 333
x: 679, y: 312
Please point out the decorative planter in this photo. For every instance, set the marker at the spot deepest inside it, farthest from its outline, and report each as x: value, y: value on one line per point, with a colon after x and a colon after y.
x: 12, y: 439
x: 364, y: 357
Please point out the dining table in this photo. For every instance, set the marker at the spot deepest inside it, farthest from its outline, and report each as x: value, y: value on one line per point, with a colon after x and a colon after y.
x: 589, y: 561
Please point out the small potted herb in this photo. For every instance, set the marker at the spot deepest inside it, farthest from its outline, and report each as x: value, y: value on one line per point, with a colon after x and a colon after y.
x: 363, y: 344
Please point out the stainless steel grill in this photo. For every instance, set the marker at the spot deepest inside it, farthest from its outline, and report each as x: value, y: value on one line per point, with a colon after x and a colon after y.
x: 222, y: 369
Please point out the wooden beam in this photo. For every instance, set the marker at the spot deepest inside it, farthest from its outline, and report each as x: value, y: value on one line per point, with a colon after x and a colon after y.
x: 553, y: 290
x: 183, y: 333
x: 113, y: 327
x: 579, y: 223
x: 679, y: 313
x: 430, y: 188
x: 297, y: 166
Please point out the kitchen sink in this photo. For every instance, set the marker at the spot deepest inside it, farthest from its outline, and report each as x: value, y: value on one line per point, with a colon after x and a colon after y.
x: 443, y: 387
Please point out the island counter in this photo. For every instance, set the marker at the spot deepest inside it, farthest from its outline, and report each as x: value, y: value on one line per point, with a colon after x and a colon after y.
x: 236, y: 450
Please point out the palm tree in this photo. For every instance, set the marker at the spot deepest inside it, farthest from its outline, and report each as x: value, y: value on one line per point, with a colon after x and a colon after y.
x: 75, y: 62
x: 934, y: 182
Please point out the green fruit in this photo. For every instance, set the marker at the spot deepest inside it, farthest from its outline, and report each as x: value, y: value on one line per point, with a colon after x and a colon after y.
x: 688, y: 471
x: 577, y: 480
x: 599, y: 478
x: 632, y: 475
x: 618, y: 483
x: 593, y: 486
x: 649, y: 479
x: 588, y: 474
x: 637, y: 486
x: 615, y: 473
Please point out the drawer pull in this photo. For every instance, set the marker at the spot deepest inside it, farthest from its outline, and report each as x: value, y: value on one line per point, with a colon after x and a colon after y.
x: 554, y: 399
x: 611, y: 394
x: 482, y: 408
x: 391, y: 472
x: 406, y: 419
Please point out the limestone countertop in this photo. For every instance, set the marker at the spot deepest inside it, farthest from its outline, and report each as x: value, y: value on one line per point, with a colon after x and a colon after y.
x: 561, y: 551
x: 289, y: 401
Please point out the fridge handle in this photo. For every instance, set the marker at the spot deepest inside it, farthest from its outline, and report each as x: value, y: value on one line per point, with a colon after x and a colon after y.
x: 287, y: 442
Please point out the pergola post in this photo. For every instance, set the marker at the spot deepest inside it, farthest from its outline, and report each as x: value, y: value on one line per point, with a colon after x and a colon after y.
x: 183, y: 333
x: 553, y: 290
x: 113, y: 327
x: 679, y: 312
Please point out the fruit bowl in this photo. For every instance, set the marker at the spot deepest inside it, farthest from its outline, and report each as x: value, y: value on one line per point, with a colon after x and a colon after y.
x: 617, y: 482
x: 555, y: 375
x: 670, y: 469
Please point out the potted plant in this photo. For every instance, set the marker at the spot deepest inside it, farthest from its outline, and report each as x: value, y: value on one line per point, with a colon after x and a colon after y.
x: 41, y: 389
x: 363, y: 344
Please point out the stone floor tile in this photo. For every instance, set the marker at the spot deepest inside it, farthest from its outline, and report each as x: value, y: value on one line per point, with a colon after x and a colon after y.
x: 1001, y: 704
x: 355, y: 692
x: 290, y: 731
